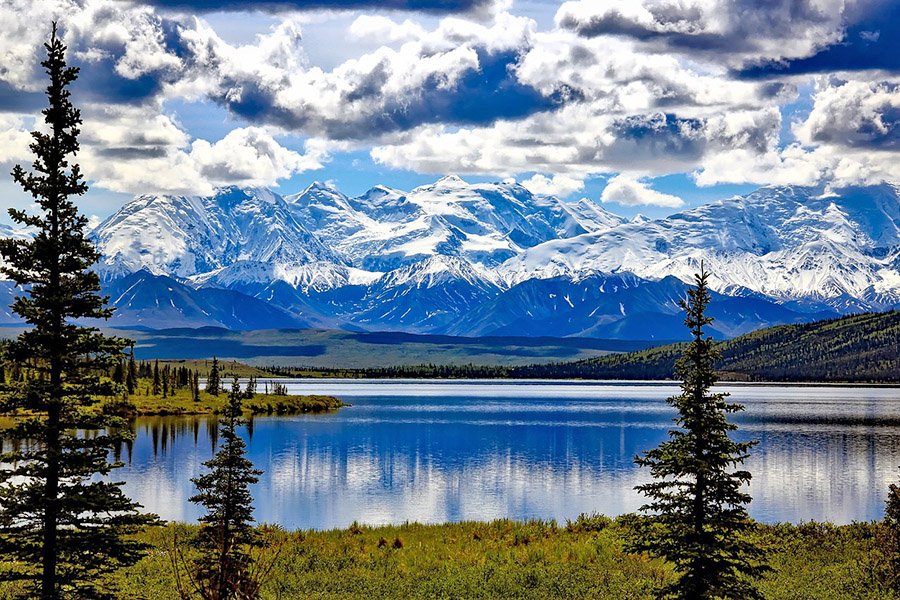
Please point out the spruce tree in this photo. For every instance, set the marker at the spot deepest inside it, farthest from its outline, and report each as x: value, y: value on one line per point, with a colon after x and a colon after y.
x: 250, y: 390
x: 214, y: 382
x: 156, y: 382
x: 697, y: 511
x: 131, y: 376
x: 224, y: 567
x: 889, y: 538
x: 61, y: 526
x: 195, y: 386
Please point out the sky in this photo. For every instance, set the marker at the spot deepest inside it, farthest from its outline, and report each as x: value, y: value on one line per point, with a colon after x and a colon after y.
x: 648, y: 106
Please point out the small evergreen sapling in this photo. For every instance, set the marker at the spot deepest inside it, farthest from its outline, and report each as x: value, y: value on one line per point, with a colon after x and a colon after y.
x: 696, y: 508
x: 63, y: 523
x: 225, y: 566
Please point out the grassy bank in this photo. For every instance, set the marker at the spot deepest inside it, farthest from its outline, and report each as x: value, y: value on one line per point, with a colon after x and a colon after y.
x: 181, y: 402
x: 507, y: 559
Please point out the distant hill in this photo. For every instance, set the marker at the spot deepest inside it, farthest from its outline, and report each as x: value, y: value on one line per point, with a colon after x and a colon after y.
x: 325, y: 348
x: 858, y: 348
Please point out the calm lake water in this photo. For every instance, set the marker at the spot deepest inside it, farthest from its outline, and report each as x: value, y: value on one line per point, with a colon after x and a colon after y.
x: 434, y: 451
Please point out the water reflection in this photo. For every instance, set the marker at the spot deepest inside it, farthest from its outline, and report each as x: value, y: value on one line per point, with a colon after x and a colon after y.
x: 458, y: 451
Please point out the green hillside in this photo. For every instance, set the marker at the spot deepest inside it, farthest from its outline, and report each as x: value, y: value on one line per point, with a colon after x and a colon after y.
x: 858, y: 348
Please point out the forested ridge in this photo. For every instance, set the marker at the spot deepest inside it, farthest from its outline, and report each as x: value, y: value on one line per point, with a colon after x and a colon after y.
x: 857, y: 348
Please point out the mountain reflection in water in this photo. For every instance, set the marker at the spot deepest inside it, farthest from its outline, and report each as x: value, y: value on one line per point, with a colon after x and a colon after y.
x: 450, y: 451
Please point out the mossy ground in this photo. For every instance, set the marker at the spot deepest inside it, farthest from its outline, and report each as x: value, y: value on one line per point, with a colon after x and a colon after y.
x: 522, y: 560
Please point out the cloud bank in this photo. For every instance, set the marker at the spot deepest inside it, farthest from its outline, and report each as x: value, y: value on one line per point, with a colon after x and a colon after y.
x: 646, y: 88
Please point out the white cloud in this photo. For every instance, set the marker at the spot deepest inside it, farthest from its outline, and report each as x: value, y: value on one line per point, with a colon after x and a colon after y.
x: 850, y: 137
x: 381, y: 92
x: 643, y: 87
x: 854, y: 114
x: 136, y: 150
x: 93, y: 222
x: 628, y: 191
x: 383, y: 29
x: 558, y: 185
x: 14, y: 139
x: 249, y: 156
x: 580, y: 140
x: 732, y: 32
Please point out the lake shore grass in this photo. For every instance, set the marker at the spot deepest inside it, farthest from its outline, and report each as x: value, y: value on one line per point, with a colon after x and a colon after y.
x: 511, y: 559
x: 144, y: 404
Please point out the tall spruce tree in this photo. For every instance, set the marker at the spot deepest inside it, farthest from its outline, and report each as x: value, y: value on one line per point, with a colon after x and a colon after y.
x: 224, y: 568
x: 61, y: 527
x: 696, y: 508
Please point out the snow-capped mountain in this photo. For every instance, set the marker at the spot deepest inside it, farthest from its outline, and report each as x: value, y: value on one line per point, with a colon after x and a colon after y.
x: 839, y: 249
x: 480, y: 259
x: 251, y: 231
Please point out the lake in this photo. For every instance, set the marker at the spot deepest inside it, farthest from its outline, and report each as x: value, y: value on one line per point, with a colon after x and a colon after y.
x: 434, y: 451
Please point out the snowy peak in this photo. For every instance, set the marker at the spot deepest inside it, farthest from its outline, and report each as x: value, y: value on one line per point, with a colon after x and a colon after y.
x: 788, y: 243
x: 493, y: 257
x: 184, y: 236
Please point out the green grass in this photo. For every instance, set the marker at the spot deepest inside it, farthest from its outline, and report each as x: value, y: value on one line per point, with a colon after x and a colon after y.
x: 509, y: 559
x: 143, y: 403
x: 230, y: 368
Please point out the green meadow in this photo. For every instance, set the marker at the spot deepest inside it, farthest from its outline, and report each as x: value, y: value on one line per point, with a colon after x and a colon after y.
x: 509, y: 559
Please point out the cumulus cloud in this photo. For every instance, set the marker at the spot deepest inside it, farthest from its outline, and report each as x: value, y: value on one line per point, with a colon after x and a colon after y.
x: 14, y: 139
x: 435, y: 6
x: 137, y: 150
x: 127, y: 52
x: 647, y: 87
x: 849, y: 137
x: 580, y: 140
x: 855, y: 114
x: 628, y: 191
x: 249, y: 155
x: 740, y: 32
x: 558, y: 185
x: 459, y: 73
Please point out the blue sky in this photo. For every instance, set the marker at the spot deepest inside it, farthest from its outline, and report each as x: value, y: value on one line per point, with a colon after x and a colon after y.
x: 649, y: 106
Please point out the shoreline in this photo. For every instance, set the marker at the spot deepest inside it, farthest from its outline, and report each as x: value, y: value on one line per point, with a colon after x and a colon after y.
x: 721, y: 382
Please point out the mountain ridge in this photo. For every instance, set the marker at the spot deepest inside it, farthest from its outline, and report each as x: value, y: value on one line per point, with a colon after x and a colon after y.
x: 488, y: 258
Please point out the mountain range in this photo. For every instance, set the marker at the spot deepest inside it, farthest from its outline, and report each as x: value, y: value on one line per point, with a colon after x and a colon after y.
x: 493, y: 259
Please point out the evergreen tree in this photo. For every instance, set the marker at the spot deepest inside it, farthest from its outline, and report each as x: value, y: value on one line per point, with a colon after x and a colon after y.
x: 697, y: 509
x: 118, y: 374
x: 156, y: 381
x: 224, y: 568
x: 250, y: 391
x: 196, y: 386
x: 61, y: 527
x: 131, y: 373
x: 214, y: 382
x: 889, y: 538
